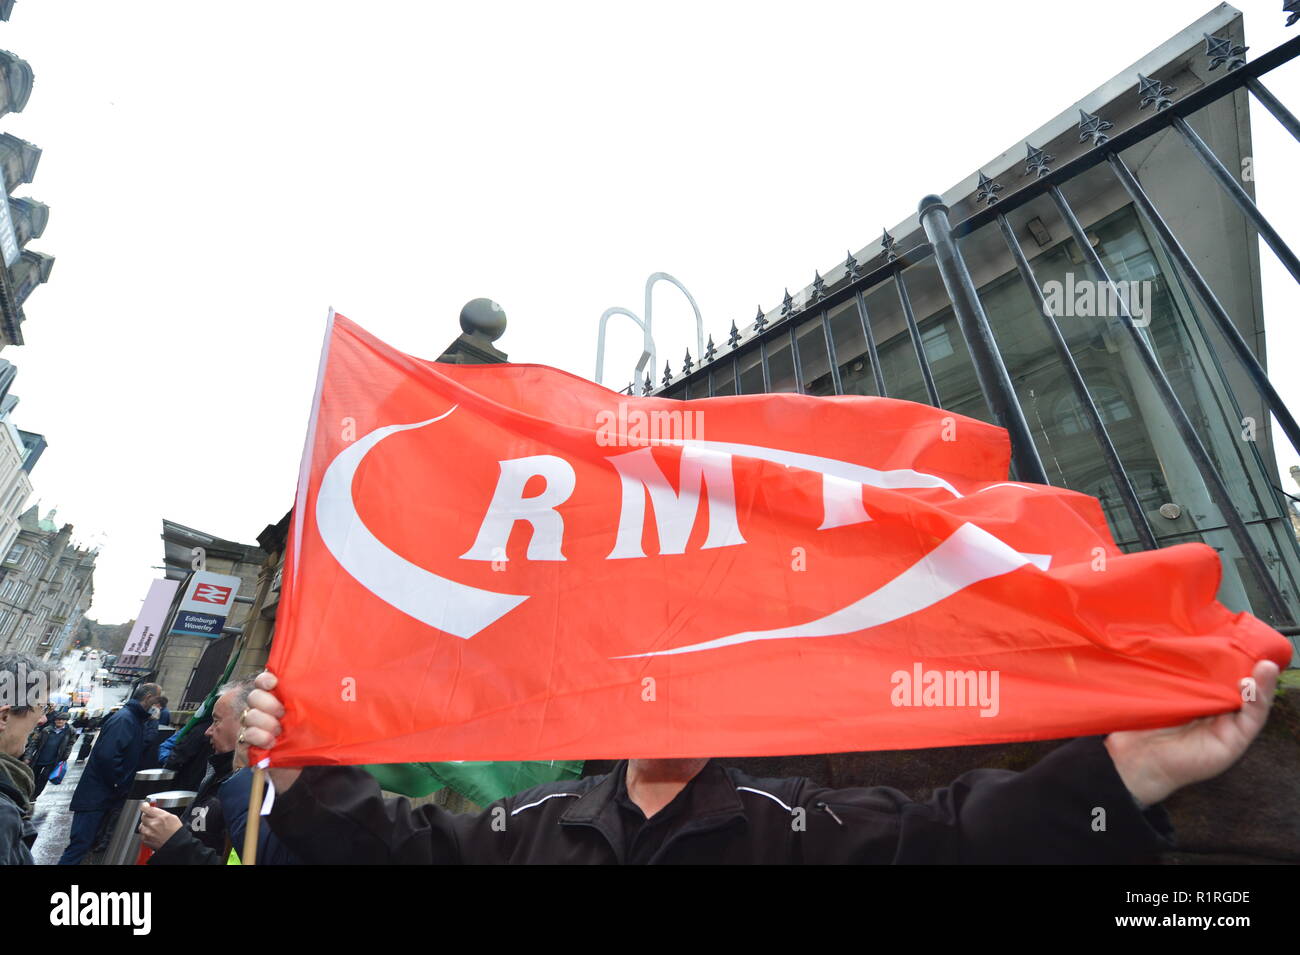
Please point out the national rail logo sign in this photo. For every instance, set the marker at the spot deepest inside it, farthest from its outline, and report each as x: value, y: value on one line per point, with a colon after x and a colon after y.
x: 212, y: 594
x: 475, y: 571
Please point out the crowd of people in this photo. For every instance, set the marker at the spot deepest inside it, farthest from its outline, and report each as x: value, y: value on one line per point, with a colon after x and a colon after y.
x: 643, y: 811
x: 114, y: 747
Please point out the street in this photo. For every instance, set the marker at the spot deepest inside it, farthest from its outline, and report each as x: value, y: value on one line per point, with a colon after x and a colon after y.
x: 51, y: 814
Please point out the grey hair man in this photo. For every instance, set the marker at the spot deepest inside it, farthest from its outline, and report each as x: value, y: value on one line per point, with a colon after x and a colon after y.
x: 24, y: 690
x: 198, y: 836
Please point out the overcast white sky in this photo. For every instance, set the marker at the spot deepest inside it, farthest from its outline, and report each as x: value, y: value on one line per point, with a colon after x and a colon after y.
x: 220, y: 174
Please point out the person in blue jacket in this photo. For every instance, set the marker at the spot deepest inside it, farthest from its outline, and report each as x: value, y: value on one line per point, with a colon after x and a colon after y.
x: 110, y: 770
x: 234, y: 807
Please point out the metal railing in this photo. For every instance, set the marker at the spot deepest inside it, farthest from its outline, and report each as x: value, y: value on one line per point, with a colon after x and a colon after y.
x: 942, y: 246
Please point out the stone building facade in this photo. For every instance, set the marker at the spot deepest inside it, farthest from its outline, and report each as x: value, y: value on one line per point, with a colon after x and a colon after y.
x: 15, y: 477
x: 46, y: 585
x: 21, y: 219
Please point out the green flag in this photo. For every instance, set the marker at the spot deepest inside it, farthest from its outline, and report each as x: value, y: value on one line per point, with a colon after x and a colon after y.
x: 481, y: 783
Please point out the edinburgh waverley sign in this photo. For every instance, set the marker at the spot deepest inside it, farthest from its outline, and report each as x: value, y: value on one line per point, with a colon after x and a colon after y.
x: 206, y: 604
x: 470, y: 531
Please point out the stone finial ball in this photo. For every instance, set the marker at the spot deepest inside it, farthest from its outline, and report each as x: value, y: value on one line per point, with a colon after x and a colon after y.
x: 484, y: 317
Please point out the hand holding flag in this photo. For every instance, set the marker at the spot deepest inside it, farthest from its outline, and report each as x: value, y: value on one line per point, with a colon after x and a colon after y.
x: 1154, y: 763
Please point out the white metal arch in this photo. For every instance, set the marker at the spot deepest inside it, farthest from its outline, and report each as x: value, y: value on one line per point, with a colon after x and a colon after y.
x: 648, y: 353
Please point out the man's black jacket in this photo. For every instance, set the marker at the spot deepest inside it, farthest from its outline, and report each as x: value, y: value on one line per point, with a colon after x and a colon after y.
x: 201, y: 839
x: 1071, y: 807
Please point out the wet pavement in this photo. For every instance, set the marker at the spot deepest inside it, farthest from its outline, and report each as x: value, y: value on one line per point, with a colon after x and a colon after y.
x: 51, y: 815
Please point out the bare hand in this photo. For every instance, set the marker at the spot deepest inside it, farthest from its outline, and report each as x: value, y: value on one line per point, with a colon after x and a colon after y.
x: 1155, y: 763
x: 157, y: 826
x: 262, y: 724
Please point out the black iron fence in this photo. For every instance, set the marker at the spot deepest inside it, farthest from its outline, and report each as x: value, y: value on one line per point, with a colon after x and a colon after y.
x: 772, y: 360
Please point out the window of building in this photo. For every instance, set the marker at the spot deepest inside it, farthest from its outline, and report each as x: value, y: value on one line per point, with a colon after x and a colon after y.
x: 814, y: 362
x: 937, y: 343
x: 723, y: 378
x: 780, y: 364
x: 15, y: 499
x: 851, y: 349
x: 750, y: 367
x: 16, y: 554
x: 1069, y: 414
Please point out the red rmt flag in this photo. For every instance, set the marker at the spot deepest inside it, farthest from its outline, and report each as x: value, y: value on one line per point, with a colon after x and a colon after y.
x: 507, y: 562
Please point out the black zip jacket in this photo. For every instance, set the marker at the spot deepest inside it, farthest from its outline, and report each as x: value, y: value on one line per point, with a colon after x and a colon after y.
x: 1071, y: 807
x: 201, y: 839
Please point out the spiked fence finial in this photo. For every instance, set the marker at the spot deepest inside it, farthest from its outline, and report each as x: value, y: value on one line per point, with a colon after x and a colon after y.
x: 1221, y: 50
x: 688, y: 364
x: 851, y: 266
x: 760, y: 322
x: 668, y: 375
x: 712, y: 349
x: 1153, y: 91
x: 888, y: 242
x: 734, y: 338
x: 1292, y: 7
x: 1091, y: 127
x: 819, y: 286
x: 1036, y: 161
x: 988, y: 190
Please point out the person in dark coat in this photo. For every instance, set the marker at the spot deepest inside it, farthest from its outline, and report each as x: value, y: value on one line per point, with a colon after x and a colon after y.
x: 213, y: 823
x: 107, y: 778
x: 149, y: 759
x: 16, y: 778
x: 199, y: 832
x: 88, y: 733
x: 52, y: 745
